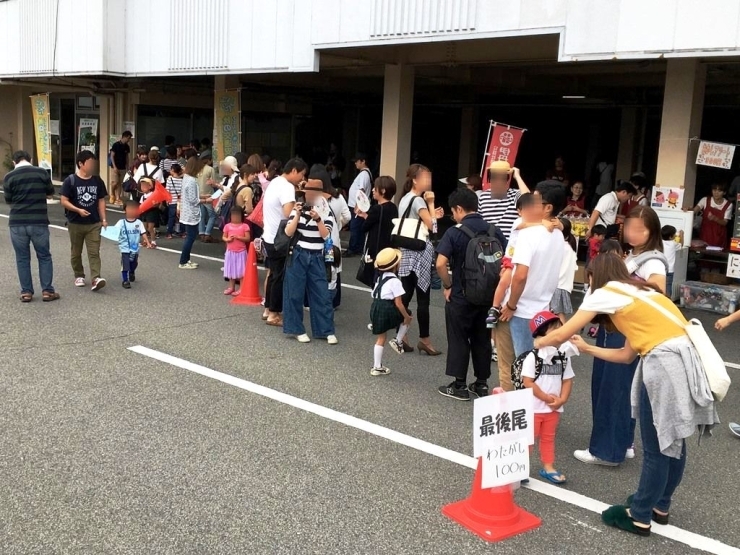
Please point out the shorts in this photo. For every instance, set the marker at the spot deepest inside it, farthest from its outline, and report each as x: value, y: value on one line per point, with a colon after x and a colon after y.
x: 150, y: 216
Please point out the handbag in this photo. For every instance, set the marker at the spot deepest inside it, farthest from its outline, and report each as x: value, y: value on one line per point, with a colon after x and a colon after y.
x: 409, y: 233
x: 257, y: 215
x: 711, y: 361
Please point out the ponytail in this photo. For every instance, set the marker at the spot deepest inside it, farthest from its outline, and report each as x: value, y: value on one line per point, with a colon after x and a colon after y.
x: 411, y: 174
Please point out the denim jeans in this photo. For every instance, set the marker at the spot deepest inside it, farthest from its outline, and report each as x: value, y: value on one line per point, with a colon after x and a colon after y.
x: 521, y: 335
x: 171, y: 218
x: 660, y: 475
x: 22, y: 237
x: 306, y: 272
x: 613, y: 429
x: 669, y: 287
x: 191, y: 232
x: 356, y: 236
x: 207, y: 218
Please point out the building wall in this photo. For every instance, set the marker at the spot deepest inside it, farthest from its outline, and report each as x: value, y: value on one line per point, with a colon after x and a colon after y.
x: 132, y: 37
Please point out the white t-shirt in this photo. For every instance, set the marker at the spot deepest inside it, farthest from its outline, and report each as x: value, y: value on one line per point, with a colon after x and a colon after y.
x: 542, y: 252
x: 669, y: 250
x: 363, y: 182
x: 510, y: 246
x: 392, y: 289
x: 648, y: 268
x: 604, y: 301
x: 728, y: 211
x: 279, y: 193
x: 568, y: 268
x: 607, y: 206
x: 154, y: 172
x: 549, y: 380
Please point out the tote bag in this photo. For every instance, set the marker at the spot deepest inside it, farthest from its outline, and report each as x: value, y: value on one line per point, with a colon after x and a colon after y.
x: 366, y: 270
x: 409, y: 233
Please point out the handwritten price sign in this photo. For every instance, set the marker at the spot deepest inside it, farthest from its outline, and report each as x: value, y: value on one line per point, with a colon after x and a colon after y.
x: 717, y: 155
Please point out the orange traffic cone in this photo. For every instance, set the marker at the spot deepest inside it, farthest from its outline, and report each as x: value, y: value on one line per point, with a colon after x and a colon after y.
x: 249, y: 292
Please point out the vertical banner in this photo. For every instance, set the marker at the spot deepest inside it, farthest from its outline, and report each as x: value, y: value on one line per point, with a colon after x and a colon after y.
x: 227, y: 135
x: 87, y: 136
x: 503, y: 144
x: 42, y: 128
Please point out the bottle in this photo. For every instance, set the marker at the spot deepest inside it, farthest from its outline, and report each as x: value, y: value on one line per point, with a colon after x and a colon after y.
x: 329, y: 250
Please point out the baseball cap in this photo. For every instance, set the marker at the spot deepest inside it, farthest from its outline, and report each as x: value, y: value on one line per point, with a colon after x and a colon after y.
x: 541, y: 319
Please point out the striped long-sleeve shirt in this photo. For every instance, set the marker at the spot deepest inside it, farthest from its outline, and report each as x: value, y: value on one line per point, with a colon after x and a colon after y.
x: 26, y: 189
x: 309, y: 236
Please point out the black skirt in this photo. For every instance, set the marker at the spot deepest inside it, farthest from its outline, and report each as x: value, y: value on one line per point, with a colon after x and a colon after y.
x: 384, y: 316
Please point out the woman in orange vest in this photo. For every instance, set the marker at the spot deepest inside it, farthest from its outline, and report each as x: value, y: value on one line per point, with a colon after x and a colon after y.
x: 670, y: 391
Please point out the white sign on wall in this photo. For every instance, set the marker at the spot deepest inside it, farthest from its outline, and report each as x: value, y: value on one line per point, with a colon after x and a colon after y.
x: 733, y: 266
x: 503, y: 430
x: 717, y: 155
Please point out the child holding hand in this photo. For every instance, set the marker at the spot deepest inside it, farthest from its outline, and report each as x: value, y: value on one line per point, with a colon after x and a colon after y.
x: 236, y: 236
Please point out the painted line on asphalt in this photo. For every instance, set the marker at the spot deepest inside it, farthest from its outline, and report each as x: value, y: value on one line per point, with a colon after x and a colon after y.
x: 691, y: 539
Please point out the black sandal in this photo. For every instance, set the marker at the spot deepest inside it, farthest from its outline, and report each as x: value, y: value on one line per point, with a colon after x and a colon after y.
x: 48, y: 296
x: 618, y: 517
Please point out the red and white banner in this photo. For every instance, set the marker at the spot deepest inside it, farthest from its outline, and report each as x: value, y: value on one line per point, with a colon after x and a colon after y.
x: 503, y: 144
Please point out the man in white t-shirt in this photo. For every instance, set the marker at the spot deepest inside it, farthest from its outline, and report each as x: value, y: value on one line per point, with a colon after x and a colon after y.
x: 607, y: 208
x: 537, y: 260
x: 363, y: 182
x: 277, y: 204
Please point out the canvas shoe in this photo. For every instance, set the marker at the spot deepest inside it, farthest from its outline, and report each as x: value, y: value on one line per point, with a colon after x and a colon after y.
x: 303, y: 338
x: 630, y: 454
x: 585, y: 456
x: 396, y: 346
x: 80, y: 282
x: 187, y: 266
x: 98, y: 284
x: 381, y: 371
x: 332, y: 340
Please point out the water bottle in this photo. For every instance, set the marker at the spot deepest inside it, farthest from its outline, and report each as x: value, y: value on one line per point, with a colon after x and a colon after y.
x: 329, y: 250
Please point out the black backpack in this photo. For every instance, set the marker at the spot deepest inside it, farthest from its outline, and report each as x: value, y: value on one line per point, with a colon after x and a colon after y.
x: 482, y: 266
x: 516, y: 368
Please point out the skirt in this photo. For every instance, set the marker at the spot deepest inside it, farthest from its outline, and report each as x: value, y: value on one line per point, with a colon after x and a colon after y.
x: 234, y: 264
x: 561, y: 303
x: 384, y: 316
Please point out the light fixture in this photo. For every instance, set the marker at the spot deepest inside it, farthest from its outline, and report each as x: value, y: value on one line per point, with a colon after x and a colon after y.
x: 573, y: 97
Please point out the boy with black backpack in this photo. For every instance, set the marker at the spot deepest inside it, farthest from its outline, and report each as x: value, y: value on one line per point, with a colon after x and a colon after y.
x: 473, y: 249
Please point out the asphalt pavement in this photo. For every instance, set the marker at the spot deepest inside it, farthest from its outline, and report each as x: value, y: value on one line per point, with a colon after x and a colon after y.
x: 105, y: 450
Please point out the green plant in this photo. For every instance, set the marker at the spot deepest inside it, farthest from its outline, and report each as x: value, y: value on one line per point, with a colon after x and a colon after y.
x: 8, y: 159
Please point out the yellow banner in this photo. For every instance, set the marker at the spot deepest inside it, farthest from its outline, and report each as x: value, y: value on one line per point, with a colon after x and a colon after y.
x: 227, y: 135
x: 41, y: 116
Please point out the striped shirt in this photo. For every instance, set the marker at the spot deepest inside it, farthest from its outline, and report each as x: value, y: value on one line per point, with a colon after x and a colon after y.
x: 26, y: 189
x: 166, y: 164
x: 309, y: 237
x: 500, y: 212
x: 174, y: 187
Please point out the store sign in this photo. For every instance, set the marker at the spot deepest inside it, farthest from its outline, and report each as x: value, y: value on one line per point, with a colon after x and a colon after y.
x: 227, y: 134
x: 716, y: 155
x: 503, y: 144
x: 733, y: 266
x: 42, y: 128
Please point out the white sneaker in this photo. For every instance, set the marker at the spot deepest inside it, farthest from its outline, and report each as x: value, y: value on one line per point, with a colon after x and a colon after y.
x: 187, y: 266
x: 585, y: 456
x: 332, y: 340
x: 630, y: 453
x: 193, y: 263
x: 382, y: 371
x: 303, y: 338
x: 80, y: 282
x: 396, y: 346
x: 98, y: 284
x: 370, y: 326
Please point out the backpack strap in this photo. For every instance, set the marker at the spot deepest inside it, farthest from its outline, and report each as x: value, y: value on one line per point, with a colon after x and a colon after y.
x: 379, y: 288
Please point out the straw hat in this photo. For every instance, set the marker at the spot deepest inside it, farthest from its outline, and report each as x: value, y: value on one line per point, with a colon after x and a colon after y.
x: 387, y: 259
x: 500, y: 166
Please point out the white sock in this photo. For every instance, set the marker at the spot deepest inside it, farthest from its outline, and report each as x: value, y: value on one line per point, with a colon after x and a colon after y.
x: 378, y: 356
x: 402, y: 330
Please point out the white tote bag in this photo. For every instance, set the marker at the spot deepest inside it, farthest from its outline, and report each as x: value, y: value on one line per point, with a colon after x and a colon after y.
x: 711, y: 361
x: 409, y: 233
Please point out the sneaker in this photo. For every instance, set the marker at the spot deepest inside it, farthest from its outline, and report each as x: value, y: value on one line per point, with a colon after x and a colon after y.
x: 370, y: 326
x: 460, y: 393
x: 80, y: 282
x: 630, y: 454
x: 132, y: 276
x: 332, y: 340
x: 396, y: 346
x: 493, y: 316
x: 97, y: 284
x: 126, y: 285
x: 187, y: 266
x: 735, y: 428
x: 494, y: 355
x: 193, y: 263
x: 585, y: 456
x: 382, y: 371
x: 304, y: 338
x: 480, y: 389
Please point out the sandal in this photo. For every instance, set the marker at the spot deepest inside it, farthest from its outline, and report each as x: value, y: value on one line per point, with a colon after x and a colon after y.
x: 657, y: 517
x: 26, y: 297
x: 553, y: 477
x: 618, y: 517
x: 277, y: 322
x: 48, y: 296
x: 229, y: 291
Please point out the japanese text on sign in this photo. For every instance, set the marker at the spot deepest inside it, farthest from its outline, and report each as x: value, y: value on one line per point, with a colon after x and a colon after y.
x: 717, y: 155
x: 505, y: 464
x: 504, y: 422
x: 733, y: 266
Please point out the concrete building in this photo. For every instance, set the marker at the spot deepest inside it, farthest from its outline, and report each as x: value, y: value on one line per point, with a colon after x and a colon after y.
x: 625, y: 81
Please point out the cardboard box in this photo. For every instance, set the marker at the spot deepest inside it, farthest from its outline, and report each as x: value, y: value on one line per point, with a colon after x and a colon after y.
x: 580, y: 273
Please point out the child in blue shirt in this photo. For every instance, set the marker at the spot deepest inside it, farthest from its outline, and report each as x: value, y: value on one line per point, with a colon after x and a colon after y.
x: 131, y: 229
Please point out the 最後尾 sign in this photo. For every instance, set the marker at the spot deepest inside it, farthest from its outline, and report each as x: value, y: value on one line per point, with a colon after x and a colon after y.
x: 716, y: 155
x: 503, y: 430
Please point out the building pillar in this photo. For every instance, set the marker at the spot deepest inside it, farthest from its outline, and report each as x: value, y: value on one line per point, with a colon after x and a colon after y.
x: 683, y: 104
x: 468, y: 134
x: 627, y: 136
x: 106, y: 128
x: 398, y: 106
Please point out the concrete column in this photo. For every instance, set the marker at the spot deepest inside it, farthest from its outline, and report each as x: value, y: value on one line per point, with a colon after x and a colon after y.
x: 468, y: 134
x: 683, y: 104
x: 627, y: 136
x: 106, y: 128
x: 398, y: 107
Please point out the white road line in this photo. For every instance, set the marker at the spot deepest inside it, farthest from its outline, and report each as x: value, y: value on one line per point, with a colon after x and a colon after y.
x: 691, y: 539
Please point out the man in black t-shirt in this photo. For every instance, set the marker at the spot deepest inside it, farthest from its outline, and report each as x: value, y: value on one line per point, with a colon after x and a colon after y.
x: 83, y: 198
x: 119, y: 158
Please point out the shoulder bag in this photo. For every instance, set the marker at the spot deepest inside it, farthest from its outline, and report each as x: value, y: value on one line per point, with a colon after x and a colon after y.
x: 366, y: 270
x: 409, y: 233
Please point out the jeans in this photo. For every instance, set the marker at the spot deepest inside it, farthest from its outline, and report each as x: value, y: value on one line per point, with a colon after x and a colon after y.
x: 422, y: 302
x: 660, y: 475
x: 191, y: 232
x: 87, y: 235
x: 613, y: 428
x: 467, y: 335
x: 22, y: 236
x: 207, y: 218
x: 521, y: 335
x: 307, y: 273
x: 669, y: 287
x: 171, y: 218
x: 356, y: 236
x: 274, y: 289
x: 129, y: 263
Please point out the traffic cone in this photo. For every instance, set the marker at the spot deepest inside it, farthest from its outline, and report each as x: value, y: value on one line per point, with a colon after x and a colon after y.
x: 249, y: 292
x: 491, y: 513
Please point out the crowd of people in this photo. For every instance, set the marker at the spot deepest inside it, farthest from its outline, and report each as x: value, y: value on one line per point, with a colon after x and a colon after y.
x: 506, y: 269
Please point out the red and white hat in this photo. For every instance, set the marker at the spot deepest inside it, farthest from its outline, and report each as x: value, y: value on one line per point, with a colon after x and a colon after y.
x: 541, y: 319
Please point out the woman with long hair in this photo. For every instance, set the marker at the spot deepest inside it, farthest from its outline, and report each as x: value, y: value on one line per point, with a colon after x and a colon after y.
x: 670, y: 391
x: 416, y: 266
